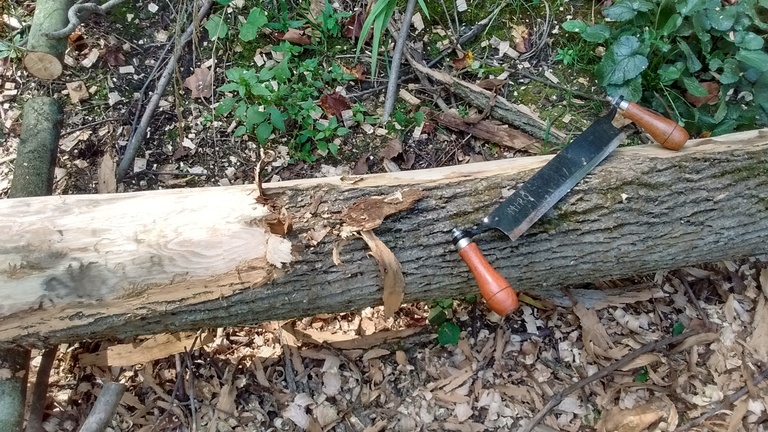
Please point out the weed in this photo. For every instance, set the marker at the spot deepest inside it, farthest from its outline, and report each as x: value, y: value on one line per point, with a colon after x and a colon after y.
x: 12, y: 48
x: 702, y: 59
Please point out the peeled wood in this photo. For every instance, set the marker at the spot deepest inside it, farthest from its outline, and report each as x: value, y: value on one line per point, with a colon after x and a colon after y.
x: 45, y: 55
x: 150, y: 262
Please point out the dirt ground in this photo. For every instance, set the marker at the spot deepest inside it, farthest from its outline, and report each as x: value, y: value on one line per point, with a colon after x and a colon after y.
x: 687, y: 353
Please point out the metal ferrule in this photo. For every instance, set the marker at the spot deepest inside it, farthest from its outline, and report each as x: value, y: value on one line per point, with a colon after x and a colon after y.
x: 619, y: 102
x: 461, y: 238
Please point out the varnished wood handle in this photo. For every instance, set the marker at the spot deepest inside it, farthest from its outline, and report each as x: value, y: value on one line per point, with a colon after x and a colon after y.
x: 663, y: 130
x: 496, y: 291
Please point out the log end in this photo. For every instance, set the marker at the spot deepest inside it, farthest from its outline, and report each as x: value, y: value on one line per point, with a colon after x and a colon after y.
x: 43, y: 65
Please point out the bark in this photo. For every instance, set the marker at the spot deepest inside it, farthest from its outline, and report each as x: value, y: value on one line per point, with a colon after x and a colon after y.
x: 45, y: 56
x: 98, y: 266
x: 39, y: 142
x: 13, y: 385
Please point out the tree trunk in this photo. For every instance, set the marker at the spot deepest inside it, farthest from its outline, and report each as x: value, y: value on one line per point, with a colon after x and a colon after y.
x: 45, y: 56
x: 38, y: 145
x: 76, y: 267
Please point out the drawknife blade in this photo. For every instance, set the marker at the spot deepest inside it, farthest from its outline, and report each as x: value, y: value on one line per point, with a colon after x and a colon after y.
x: 545, y: 188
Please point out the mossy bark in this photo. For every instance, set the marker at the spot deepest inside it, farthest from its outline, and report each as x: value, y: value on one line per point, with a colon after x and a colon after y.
x: 38, y: 145
x: 45, y: 56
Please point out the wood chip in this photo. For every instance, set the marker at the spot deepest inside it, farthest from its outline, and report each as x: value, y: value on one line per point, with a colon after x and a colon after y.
x: 153, y: 348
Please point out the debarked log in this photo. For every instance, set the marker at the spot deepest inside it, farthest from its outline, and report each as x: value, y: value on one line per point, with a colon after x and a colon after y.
x: 96, y: 266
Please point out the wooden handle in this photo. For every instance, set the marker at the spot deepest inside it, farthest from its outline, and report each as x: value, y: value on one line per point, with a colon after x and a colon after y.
x: 663, y: 130
x: 496, y: 291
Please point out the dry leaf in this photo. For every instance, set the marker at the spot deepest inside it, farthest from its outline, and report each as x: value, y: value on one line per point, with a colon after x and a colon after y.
x: 200, y: 82
x: 354, y: 25
x: 393, y: 148
x: 226, y: 403
x: 107, y: 177
x: 113, y: 54
x: 294, y: 36
x: 361, y: 166
x: 491, y: 84
x: 278, y: 251
x: 391, y: 273
x: 759, y: 339
x: 77, y: 91
x: 357, y: 71
x: 636, y: 419
x: 594, y: 334
x: 713, y: 94
x: 462, y: 62
x: 333, y: 104
x: 521, y: 36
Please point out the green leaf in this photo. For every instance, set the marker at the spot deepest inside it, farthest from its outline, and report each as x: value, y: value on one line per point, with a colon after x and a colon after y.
x: 670, y: 73
x: 264, y: 131
x: 722, y: 18
x: 642, y: 376
x: 688, y: 7
x: 445, y: 303
x: 333, y: 148
x: 376, y: 21
x: 254, y: 116
x: 627, y: 9
x: 258, y: 89
x: 694, y: 87
x: 623, y: 61
x: 342, y: 131
x: 691, y: 61
x: 597, y: 33
x: 678, y: 328
x: 250, y: 28
x: 282, y: 71
x: 448, y: 334
x: 722, y: 110
x: 229, y: 87
x: 730, y: 73
x: 748, y: 40
x: 436, y: 316
x: 240, y: 131
x: 424, y: 9
x: 672, y: 24
x: 225, y: 106
x: 276, y: 117
x: 755, y: 58
x: 217, y: 28
x: 632, y: 90
x: 575, y: 26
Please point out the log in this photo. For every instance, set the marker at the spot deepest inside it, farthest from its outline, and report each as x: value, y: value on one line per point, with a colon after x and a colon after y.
x: 97, y: 266
x: 38, y: 145
x: 45, y: 55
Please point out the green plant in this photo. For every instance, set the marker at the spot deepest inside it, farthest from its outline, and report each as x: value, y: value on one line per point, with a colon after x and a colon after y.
x: 447, y: 331
x: 11, y: 49
x: 701, y: 59
x: 376, y: 23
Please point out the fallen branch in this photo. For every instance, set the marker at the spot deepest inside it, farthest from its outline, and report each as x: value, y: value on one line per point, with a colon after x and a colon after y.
x: 397, y: 59
x: 78, y: 13
x: 138, y: 135
x: 491, y: 131
x: 516, y: 115
x: 104, y: 408
x: 629, y: 358
x: 44, y: 58
x: 40, y: 392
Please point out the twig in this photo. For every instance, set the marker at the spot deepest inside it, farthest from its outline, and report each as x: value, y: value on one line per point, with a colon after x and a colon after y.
x: 104, y: 408
x: 557, y: 86
x: 397, y: 59
x: 79, y: 12
x: 681, y: 280
x: 650, y: 347
x: 86, y: 126
x: 723, y: 404
x: 39, y: 392
x: 141, y: 131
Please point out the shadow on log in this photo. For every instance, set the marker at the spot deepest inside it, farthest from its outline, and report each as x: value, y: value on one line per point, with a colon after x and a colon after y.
x: 120, y: 265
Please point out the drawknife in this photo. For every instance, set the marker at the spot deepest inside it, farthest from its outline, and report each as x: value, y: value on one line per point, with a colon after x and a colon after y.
x: 546, y: 187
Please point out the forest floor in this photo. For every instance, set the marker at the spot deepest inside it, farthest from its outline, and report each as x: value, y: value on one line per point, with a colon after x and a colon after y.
x: 450, y: 365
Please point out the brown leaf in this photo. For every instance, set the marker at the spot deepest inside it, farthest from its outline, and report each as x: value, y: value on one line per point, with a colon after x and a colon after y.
x: 713, y: 94
x: 200, y: 82
x: 354, y: 25
x: 391, y: 273
x: 491, y: 84
x: 393, y: 148
x: 593, y: 331
x: 361, y: 166
x: 294, y: 36
x: 636, y: 419
x: 521, y: 36
x: 462, y: 62
x: 357, y: 71
x: 113, y: 54
x: 333, y: 104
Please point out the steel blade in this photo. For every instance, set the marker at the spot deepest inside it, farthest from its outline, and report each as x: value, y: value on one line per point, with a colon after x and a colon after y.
x: 545, y: 188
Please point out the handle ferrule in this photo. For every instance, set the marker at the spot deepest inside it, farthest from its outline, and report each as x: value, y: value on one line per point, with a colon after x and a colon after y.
x: 663, y: 130
x: 496, y: 291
